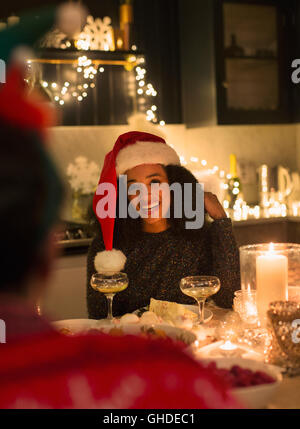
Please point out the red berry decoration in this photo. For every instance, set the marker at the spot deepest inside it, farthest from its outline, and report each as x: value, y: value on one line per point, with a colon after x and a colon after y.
x: 237, y: 376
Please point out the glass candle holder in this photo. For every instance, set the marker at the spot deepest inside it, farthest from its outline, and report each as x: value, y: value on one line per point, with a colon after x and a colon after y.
x: 270, y: 269
x: 244, y: 303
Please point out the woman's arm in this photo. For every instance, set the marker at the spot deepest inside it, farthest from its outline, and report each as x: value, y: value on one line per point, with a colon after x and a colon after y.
x: 225, y: 262
x: 96, y: 301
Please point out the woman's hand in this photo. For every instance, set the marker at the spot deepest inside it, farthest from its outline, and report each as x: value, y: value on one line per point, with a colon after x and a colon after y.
x: 213, y: 206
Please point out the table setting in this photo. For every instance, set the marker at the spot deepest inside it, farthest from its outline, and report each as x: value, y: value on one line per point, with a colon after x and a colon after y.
x: 254, y: 345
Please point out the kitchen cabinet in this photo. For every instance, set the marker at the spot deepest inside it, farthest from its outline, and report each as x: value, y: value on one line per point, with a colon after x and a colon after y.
x: 236, y: 59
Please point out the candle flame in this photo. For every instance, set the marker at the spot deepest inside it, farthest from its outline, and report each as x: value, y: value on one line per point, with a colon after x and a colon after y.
x: 271, y: 247
x: 228, y: 346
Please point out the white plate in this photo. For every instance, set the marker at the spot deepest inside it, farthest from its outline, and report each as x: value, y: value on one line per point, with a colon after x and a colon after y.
x: 77, y: 326
x: 253, y: 396
x: 81, y: 326
x: 208, y: 315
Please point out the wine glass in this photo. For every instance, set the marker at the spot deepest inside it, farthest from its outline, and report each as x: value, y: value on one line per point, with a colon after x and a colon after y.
x: 200, y: 288
x: 109, y: 284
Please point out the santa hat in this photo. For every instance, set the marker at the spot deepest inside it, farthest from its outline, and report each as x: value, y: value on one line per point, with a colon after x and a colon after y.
x: 130, y: 150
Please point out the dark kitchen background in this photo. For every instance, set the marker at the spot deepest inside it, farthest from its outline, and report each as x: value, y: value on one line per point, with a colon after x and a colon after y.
x: 187, y: 49
x: 217, y: 87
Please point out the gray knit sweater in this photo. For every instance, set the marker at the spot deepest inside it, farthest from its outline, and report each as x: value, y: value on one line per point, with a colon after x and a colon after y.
x: 158, y: 261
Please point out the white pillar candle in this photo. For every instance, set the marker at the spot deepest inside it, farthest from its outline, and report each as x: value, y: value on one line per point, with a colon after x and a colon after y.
x: 271, y: 280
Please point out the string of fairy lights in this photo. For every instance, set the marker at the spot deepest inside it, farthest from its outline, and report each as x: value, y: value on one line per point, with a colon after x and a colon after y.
x: 65, y: 92
x: 240, y: 208
x: 87, y: 71
x: 147, y: 89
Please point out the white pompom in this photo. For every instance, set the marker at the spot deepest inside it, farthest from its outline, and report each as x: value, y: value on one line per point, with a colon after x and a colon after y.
x: 110, y: 261
x: 71, y: 18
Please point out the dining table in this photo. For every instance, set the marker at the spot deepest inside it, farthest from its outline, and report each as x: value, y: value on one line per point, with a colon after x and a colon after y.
x: 287, y: 394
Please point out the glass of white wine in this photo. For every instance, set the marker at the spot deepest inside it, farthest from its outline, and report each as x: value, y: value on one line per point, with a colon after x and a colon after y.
x: 200, y: 288
x: 109, y: 285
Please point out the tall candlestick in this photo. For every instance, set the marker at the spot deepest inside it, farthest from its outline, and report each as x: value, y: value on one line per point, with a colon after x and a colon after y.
x: 271, y: 280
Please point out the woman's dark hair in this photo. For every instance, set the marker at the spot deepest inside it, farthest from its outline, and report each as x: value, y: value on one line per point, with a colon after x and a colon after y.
x: 30, y: 197
x: 128, y: 230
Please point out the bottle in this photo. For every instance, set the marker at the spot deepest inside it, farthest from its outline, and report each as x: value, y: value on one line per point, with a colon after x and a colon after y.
x: 234, y: 184
x: 126, y: 22
x: 234, y: 50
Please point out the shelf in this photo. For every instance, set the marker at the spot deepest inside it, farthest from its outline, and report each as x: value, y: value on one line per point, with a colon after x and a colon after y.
x: 68, y: 56
x: 250, y: 57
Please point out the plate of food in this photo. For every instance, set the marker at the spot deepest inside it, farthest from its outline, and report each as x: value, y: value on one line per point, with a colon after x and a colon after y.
x: 78, y: 326
x: 253, y: 383
x: 178, y: 314
x: 119, y: 327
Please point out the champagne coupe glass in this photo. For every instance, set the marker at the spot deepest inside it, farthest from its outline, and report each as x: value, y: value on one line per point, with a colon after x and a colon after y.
x: 200, y: 288
x: 109, y: 284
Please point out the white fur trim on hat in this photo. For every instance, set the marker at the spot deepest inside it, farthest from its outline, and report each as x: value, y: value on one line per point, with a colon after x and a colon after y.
x: 110, y: 261
x: 145, y: 153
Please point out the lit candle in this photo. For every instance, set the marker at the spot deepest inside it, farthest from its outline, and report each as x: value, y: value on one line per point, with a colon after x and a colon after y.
x: 250, y: 310
x: 271, y: 280
x: 228, y: 346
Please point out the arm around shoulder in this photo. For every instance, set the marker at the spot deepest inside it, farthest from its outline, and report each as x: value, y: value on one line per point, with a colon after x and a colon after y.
x: 225, y: 260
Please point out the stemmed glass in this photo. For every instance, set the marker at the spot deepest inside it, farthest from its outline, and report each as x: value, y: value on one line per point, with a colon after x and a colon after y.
x: 109, y: 285
x: 200, y: 288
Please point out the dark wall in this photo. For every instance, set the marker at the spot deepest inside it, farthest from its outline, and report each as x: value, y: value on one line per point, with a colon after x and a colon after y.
x: 96, y: 7
x: 157, y: 35
x: 198, y: 62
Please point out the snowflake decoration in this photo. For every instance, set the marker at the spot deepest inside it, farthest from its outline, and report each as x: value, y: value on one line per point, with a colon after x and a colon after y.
x: 83, y: 175
x: 96, y: 35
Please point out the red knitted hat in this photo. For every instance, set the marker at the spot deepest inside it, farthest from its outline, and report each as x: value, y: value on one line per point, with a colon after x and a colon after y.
x: 130, y: 150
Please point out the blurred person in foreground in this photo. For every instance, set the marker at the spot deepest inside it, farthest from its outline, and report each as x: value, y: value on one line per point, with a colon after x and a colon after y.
x: 39, y: 367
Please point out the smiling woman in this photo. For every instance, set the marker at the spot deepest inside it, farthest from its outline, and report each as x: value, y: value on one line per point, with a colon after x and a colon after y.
x: 160, y: 250
x: 152, y: 210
